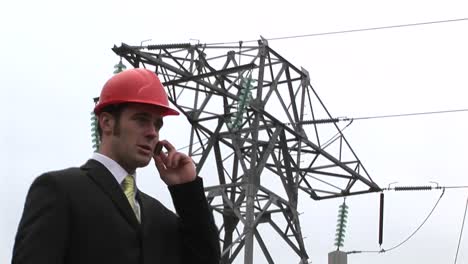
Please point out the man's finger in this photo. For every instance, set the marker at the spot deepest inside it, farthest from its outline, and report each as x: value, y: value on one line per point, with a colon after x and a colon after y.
x: 158, y: 161
x: 171, y: 155
x: 167, y: 145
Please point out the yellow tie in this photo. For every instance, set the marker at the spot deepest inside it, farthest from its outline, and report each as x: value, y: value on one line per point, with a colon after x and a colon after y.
x: 128, y: 185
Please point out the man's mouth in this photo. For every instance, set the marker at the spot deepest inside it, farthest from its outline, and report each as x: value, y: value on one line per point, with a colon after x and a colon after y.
x: 145, y: 148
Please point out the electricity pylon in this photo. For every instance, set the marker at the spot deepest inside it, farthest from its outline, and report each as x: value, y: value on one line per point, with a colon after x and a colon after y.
x: 258, y: 124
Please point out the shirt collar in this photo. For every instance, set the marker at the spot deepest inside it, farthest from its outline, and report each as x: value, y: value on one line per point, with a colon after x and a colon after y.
x: 116, y: 170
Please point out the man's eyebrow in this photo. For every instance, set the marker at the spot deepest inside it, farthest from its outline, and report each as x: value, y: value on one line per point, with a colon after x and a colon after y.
x: 144, y: 114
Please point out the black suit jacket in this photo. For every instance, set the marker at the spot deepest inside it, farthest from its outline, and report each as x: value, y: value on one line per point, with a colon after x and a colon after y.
x: 81, y: 215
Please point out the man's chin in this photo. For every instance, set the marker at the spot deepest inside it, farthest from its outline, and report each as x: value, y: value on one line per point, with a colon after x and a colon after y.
x: 143, y: 162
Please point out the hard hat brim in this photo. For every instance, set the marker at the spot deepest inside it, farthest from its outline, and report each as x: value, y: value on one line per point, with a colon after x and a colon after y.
x: 166, y: 111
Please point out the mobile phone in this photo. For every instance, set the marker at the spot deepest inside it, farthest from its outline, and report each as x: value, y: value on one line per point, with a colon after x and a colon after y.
x: 158, y: 148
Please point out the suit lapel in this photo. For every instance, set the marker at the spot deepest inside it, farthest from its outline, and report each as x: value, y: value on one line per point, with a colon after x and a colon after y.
x: 148, y: 220
x: 144, y: 210
x: 106, y: 181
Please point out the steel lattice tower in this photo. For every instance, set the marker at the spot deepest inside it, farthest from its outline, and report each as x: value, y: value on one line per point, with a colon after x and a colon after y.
x: 258, y: 124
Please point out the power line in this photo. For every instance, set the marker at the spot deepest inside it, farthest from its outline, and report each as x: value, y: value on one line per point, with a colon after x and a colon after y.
x: 351, y: 119
x: 408, y: 114
x: 347, y: 31
x: 417, y: 229
x: 408, y: 238
x: 419, y: 188
x: 338, y: 119
x: 461, y: 231
x: 423, y: 188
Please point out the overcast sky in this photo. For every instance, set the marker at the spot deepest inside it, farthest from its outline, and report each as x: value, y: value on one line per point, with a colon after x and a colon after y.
x: 56, y: 55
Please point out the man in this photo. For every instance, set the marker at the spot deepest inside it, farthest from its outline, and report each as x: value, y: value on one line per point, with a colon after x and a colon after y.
x: 95, y: 213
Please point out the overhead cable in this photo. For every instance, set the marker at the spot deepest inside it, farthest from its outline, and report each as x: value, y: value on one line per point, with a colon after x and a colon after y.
x: 409, y: 114
x: 408, y: 238
x: 345, y: 31
x: 461, y: 231
x: 338, y: 119
x: 423, y: 188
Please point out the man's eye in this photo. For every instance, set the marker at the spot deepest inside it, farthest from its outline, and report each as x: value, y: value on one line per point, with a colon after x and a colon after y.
x: 158, y: 124
x: 142, y: 120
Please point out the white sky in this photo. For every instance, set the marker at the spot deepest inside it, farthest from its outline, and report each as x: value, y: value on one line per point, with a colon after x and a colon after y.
x: 56, y: 55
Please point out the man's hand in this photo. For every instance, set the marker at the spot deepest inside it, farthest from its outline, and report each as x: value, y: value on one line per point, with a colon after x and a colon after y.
x: 174, y: 167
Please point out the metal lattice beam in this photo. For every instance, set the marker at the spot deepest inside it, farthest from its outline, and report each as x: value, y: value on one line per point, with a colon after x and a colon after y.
x: 281, y: 131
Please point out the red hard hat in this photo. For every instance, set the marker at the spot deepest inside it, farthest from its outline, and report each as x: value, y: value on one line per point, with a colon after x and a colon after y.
x: 134, y: 86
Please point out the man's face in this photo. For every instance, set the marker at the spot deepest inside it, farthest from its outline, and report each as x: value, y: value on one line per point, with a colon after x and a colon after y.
x: 134, y: 136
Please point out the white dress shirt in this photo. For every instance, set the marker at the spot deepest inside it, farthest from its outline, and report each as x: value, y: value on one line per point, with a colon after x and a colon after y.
x: 119, y: 174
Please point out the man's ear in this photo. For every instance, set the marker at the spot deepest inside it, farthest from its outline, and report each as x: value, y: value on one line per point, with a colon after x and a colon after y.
x: 106, y: 121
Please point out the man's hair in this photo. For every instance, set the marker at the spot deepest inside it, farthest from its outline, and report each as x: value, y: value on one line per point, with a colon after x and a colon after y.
x: 115, y: 111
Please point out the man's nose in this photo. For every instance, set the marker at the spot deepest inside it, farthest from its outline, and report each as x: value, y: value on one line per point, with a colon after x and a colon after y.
x: 152, y: 132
